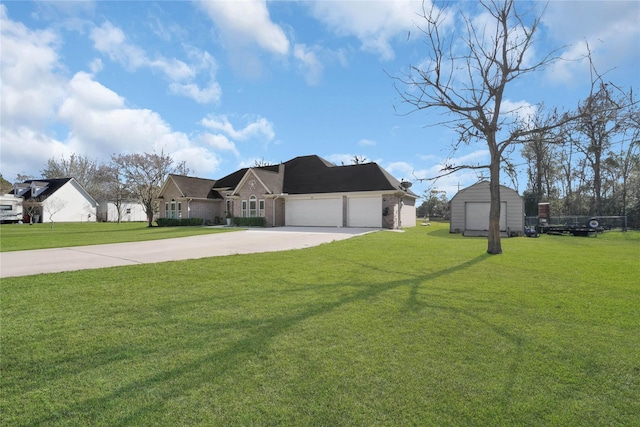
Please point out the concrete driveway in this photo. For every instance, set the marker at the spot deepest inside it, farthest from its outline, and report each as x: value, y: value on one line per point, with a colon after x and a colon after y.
x: 24, y: 263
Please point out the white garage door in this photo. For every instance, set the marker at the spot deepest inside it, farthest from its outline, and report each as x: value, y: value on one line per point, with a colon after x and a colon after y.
x: 322, y: 212
x: 364, y: 212
x: 408, y: 216
x: 477, y: 216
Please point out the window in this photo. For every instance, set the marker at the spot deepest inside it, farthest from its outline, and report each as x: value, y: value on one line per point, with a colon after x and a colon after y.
x: 179, y: 209
x: 173, y: 208
x: 253, y: 206
x: 128, y: 211
x: 166, y: 210
x: 5, y: 207
x: 261, y: 208
x: 244, y: 208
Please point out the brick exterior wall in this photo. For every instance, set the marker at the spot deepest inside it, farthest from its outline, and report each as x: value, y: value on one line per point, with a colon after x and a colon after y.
x: 390, y: 203
x: 208, y: 210
x: 273, y: 206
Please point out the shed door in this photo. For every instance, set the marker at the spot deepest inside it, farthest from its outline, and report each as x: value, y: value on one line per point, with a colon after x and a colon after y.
x: 322, y: 212
x: 365, y: 212
x: 477, y: 216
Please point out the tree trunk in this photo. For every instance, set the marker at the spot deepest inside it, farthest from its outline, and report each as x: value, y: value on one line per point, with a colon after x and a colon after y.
x: 149, y: 211
x: 494, y: 245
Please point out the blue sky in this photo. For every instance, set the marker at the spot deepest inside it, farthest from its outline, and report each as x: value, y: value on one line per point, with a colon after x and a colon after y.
x: 220, y: 84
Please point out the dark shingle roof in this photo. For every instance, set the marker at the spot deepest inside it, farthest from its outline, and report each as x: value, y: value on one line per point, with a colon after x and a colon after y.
x: 199, y: 188
x: 233, y: 179
x: 312, y: 174
x: 53, y: 185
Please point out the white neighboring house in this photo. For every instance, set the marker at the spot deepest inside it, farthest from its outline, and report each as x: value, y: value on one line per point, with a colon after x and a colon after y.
x: 130, y: 211
x: 10, y: 208
x: 57, y: 200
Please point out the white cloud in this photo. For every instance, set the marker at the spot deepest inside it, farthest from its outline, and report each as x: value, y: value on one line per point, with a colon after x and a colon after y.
x: 111, y: 41
x: 36, y: 94
x: 26, y: 151
x: 423, y: 176
x: 247, y: 23
x: 31, y: 89
x: 374, y: 23
x: 404, y: 170
x: 218, y: 142
x: 100, y: 122
x: 200, y: 160
x: 204, y: 95
x: 518, y: 110
x: 309, y: 63
x: 260, y: 128
x: 96, y: 65
x: 610, y: 29
x: 90, y: 94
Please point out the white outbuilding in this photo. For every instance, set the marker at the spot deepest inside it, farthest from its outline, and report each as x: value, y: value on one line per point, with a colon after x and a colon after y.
x: 470, y: 211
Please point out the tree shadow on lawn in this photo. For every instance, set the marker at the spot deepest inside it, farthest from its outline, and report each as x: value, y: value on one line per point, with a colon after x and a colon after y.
x: 175, y: 382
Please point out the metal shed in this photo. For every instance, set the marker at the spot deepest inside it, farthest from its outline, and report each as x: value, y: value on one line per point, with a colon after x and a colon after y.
x: 470, y: 211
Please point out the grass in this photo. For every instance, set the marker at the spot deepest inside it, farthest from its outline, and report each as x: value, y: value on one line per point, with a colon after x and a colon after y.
x: 414, y: 328
x: 20, y: 237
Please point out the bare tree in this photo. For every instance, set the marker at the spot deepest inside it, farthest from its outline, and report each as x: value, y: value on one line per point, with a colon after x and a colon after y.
x: 358, y: 160
x: 116, y: 187
x: 469, y: 84
x: 541, y: 154
x: 602, y: 120
x: 31, y: 208
x: 143, y: 174
x: 90, y: 173
x: 52, y: 207
x: 260, y: 163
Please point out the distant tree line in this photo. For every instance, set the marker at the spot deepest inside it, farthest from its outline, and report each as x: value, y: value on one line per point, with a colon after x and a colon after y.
x: 589, y: 166
x: 127, y: 177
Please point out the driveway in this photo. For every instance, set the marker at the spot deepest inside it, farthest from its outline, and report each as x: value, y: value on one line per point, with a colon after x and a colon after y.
x: 24, y: 263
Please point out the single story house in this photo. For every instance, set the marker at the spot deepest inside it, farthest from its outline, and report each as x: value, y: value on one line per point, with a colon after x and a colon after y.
x: 470, y: 211
x: 304, y: 191
x: 130, y: 211
x: 57, y: 200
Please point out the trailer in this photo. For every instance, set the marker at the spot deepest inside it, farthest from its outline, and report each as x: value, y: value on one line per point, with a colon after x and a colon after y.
x: 591, y: 227
x: 10, y: 209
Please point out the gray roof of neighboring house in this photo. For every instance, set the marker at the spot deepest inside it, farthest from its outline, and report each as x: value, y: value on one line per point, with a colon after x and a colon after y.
x: 53, y: 185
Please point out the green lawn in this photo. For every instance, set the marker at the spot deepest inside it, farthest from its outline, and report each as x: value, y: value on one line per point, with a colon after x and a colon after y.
x: 20, y: 237
x: 414, y: 328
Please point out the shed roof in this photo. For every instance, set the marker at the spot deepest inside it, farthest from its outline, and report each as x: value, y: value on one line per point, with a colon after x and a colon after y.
x: 482, y: 186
